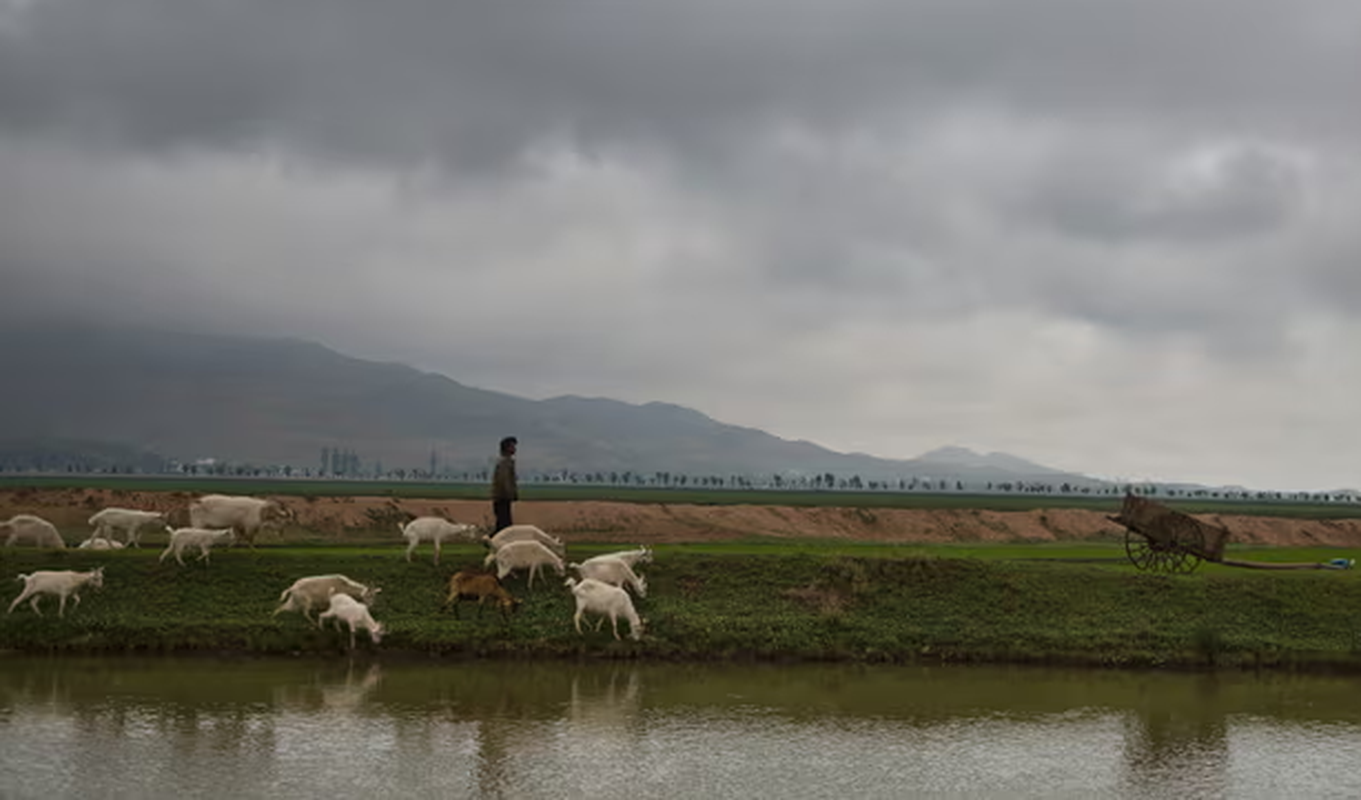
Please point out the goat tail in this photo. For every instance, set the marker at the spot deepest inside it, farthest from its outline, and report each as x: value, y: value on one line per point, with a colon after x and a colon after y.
x: 22, y: 577
x: 286, y: 593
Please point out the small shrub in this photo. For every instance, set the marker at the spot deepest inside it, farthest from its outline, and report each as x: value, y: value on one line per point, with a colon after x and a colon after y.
x: 1209, y: 643
x: 826, y: 601
x: 384, y: 516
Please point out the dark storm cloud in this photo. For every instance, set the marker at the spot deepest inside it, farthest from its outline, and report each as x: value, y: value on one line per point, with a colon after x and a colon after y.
x: 881, y: 225
x: 415, y: 79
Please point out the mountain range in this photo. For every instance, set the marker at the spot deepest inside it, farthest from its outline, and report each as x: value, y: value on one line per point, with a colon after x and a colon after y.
x: 190, y: 396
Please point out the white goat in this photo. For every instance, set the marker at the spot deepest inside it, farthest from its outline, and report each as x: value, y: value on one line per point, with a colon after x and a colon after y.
x: 601, y: 598
x: 202, y: 538
x: 642, y: 555
x: 525, y: 533
x: 129, y: 520
x: 101, y: 544
x: 614, y: 571
x: 315, y: 592
x: 35, y: 529
x: 523, y: 555
x: 434, y: 529
x: 349, y: 610
x: 246, y: 515
x: 66, y: 583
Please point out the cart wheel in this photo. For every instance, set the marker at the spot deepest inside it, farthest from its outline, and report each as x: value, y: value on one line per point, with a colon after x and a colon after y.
x: 1186, y: 562
x: 1141, y: 554
x: 1180, y: 561
x: 1170, y: 559
x: 1192, y: 562
x: 1159, y: 557
x: 1190, y: 544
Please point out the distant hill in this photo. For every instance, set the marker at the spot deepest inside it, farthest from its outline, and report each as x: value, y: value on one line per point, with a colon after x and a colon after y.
x: 280, y: 401
x: 962, y: 458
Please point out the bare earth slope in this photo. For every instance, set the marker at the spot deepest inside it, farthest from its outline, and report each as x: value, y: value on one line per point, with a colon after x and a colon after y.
x: 663, y: 523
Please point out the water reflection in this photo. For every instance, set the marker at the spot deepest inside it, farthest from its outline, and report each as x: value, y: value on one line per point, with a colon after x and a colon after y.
x: 495, y: 743
x: 606, y: 703
x: 329, y: 693
x: 259, y: 728
x: 1177, y: 738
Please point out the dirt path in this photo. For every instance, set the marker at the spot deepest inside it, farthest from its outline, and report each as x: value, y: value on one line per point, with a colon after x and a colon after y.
x: 664, y: 523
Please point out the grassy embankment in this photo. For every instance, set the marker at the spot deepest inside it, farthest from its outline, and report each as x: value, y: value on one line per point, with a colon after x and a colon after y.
x: 738, y: 601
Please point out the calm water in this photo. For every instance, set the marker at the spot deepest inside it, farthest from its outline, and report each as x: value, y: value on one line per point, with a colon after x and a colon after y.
x: 304, y: 729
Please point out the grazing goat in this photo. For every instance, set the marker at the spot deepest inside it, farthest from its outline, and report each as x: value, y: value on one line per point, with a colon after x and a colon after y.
x: 601, y: 598
x: 525, y: 533
x: 201, y: 538
x: 101, y: 544
x: 129, y: 520
x: 614, y: 571
x: 642, y: 555
x: 315, y: 592
x: 63, y: 584
x: 434, y: 529
x: 246, y: 515
x: 349, y: 610
x: 36, y: 529
x: 523, y: 555
x: 479, y: 586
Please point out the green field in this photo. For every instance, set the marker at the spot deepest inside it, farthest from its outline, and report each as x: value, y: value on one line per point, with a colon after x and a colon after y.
x: 1058, y: 604
x: 758, y: 598
x: 1111, y: 552
x: 583, y: 492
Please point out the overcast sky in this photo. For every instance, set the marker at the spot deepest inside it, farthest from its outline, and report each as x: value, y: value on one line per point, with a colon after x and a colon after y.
x: 1120, y: 237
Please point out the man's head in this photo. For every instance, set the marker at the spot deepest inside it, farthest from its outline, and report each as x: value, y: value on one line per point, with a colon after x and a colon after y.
x: 508, y: 445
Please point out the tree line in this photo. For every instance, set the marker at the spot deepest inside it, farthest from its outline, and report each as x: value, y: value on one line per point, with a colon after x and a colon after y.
x: 346, y: 463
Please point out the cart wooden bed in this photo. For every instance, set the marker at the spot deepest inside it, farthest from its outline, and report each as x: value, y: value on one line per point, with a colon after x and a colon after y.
x: 1158, y: 539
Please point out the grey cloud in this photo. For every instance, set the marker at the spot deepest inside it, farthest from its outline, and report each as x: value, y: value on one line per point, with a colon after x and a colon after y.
x: 976, y: 217
x: 415, y: 79
x: 1233, y: 192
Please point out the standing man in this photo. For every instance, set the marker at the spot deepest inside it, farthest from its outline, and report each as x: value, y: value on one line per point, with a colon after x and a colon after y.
x: 504, y: 489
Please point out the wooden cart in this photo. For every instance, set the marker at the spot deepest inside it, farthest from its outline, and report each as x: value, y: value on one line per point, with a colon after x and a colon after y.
x: 1159, y: 539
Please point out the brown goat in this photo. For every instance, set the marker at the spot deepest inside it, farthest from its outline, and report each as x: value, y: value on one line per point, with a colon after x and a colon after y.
x: 468, y: 585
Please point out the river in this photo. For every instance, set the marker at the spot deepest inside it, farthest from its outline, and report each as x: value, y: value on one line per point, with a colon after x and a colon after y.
x: 281, y: 728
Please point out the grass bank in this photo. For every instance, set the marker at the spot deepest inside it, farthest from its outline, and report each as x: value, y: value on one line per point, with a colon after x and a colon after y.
x: 707, y: 604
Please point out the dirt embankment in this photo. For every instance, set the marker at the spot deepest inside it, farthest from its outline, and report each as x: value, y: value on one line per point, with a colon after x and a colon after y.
x: 662, y: 523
